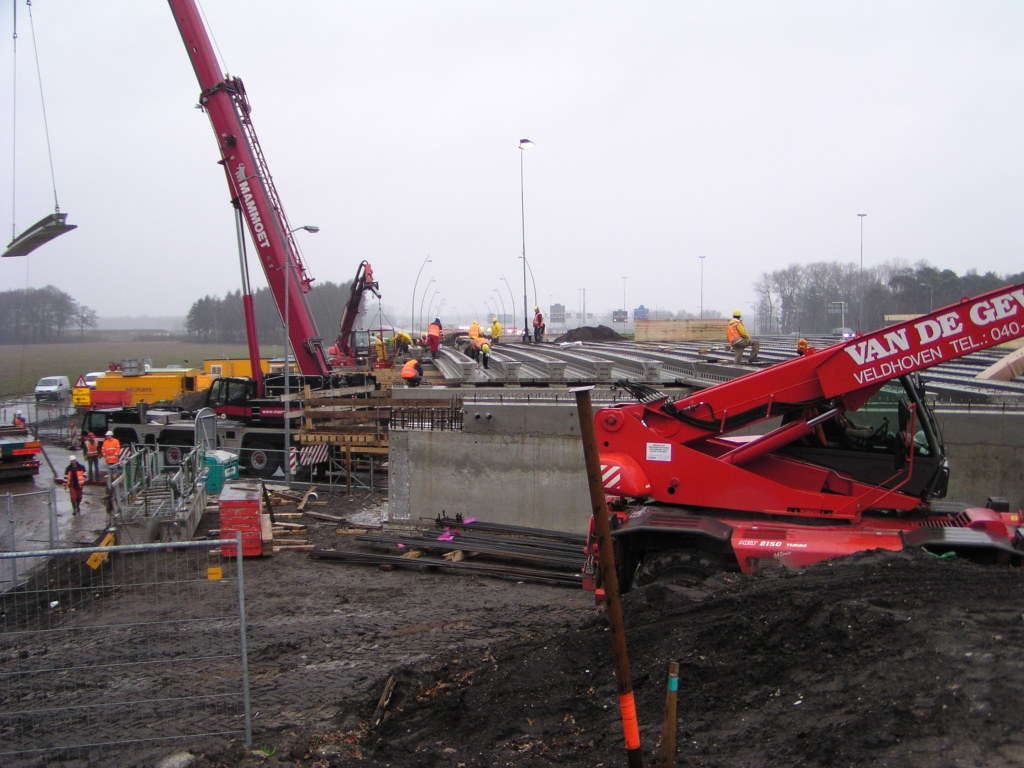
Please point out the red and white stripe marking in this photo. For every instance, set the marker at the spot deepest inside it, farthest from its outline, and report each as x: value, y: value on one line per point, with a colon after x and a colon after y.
x: 610, y: 476
x: 313, y: 454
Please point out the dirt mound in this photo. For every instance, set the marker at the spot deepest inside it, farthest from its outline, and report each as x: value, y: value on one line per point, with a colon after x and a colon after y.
x: 882, y: 658
x: 589, y: 333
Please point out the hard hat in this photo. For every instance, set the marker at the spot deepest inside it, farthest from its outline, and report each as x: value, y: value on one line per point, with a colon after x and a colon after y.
x: 536, y: 309
x: 737, y: 313
x: 802, y: 344
x: 91, y: 435
x: 72, y: 457
x: 110, y: 433
x: 494, y: 319
x: 486, y: 348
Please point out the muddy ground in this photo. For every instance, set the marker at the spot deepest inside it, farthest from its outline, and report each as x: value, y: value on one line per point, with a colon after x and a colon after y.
x: 880, y: 659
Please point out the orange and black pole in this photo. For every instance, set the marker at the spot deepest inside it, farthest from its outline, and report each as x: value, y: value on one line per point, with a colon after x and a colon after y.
x: 613, y: 608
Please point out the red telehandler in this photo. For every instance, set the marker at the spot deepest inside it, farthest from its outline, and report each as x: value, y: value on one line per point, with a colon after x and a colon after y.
x: 691, y: 497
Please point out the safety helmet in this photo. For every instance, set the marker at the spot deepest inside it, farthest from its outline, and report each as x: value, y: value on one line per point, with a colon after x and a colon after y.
x: 110, y: 433
x: 737, y: 313
x: 801, y: 344
x: 486, y: 348
x: 536, y: 309
x: 494, y: 319
x: 91, y: 435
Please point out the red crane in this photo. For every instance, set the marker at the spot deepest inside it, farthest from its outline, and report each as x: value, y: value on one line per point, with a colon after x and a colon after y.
x: 255, y: 198
x: 818, y: 485
x: 343, y: 352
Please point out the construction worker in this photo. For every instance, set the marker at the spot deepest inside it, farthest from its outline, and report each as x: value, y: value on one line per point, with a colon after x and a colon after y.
x: 412, y: 372
x: 434, y: 337
x: 801, y: 347
x: 92, y: 457
x: 495, y: 330
x: 380, y: 348
x: 538, y: 326
x: 402, y: 343
x: 74, y: 480
x: 474, y: 330
x: 479, y: 350
x: 111, y: 450
x: 739, y: 339
x: 19, y: 420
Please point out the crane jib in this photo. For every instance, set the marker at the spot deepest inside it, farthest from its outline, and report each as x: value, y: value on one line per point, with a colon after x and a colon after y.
x: 954, y: 331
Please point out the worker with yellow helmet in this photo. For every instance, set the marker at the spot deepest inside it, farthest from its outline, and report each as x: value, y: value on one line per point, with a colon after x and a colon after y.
x: 495, y: 331
x: 739, y: 339
x: 480, y: 350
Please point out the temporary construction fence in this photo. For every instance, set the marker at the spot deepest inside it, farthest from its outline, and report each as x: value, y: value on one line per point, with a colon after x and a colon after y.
x: 149, y: 503
x: 11, y: 541
x: 121, y: 653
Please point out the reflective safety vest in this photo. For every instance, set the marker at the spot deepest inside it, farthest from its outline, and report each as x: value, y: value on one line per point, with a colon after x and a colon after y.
x: 81, y: 477
x: 111, y: 450
x: 538, y: 320
x: 92, y: 447
x: 434, y: 330
x: 409, y: 370
x: 733, y: 331
x: 474, y: 330
x: 19, y: 422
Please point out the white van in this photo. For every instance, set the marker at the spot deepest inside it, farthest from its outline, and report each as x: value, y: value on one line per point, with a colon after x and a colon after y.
x: 90, y: 378
x: 53, y: 388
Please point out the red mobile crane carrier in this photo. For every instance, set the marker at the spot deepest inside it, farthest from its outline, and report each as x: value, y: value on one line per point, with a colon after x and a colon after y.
x: 691, y: 499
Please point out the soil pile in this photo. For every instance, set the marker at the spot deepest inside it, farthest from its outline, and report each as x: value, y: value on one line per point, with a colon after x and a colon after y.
x: 589, y: 333
x: 882, y: 658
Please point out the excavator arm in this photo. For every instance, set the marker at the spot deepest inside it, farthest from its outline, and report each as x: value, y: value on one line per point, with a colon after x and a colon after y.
x: 342, y: 353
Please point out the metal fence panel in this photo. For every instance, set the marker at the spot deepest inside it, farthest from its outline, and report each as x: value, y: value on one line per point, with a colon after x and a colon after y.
x: 145, y: 650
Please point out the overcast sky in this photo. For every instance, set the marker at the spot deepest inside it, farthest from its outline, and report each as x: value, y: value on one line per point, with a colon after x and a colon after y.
x: 749, y: 133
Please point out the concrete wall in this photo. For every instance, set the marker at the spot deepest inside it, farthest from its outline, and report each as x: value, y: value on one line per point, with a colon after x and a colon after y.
x: 523, y: 465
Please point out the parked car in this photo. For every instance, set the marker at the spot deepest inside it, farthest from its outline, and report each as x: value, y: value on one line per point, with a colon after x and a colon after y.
x: 843, y: 333
x: 90, y: 378
x: 53, y: 388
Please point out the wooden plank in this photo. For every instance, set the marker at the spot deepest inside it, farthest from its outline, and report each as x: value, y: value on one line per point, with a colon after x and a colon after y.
x: 325, y: 516
x: 266, y: 529
x: 413, y: 553
x: 382, y: 703
x: 295, y: 548
x: 305, y: 497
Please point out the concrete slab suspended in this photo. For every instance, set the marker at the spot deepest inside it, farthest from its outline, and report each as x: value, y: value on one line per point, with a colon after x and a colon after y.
x: 40, y: 233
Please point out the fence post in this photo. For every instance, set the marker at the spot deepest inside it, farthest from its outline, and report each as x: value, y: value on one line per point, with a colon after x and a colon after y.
x: 51, y: 508
x: 242, y: 630
x: 14, y: 544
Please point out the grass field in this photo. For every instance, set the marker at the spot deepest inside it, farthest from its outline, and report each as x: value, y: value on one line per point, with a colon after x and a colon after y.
x: 22, y: 366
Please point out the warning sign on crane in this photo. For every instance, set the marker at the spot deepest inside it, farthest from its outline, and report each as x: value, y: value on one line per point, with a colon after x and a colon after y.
x: 80, y: 393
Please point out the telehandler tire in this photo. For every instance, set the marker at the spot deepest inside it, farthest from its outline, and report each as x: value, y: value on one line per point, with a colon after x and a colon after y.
x: 681, y: 566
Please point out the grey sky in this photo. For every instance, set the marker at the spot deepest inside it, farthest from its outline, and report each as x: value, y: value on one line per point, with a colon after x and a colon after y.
x: 750, y: 133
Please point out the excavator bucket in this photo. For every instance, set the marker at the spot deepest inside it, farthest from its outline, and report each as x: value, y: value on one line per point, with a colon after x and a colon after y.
x: 40, y: 233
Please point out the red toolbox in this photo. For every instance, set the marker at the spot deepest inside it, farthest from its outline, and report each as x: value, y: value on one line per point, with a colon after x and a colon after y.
x: 241, y: 509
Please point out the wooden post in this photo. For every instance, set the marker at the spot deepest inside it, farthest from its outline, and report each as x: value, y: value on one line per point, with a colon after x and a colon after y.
x: 348, y: 469
x: 609, y: 581
x: 667, y: 751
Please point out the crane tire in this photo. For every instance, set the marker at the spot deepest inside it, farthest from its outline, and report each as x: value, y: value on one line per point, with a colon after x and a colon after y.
x: 260, y: 460
x: 681, y: 566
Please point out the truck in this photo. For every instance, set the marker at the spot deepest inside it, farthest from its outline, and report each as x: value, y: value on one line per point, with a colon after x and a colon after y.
x: 249, y: 425
x: 856, y: 461
x: 19, y: 453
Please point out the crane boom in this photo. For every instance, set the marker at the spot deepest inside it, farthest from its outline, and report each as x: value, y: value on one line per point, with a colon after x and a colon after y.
x: 252, y: 192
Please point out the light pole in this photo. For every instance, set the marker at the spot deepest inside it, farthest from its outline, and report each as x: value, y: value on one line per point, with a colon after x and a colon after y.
x: 701, y: 287
x: 931, y: 296
x: 422, y: 298
x: 412, y: 310
x: 311, y: 228
x: 524, y: 144
x: 511, y: 298
x: 861, y: 321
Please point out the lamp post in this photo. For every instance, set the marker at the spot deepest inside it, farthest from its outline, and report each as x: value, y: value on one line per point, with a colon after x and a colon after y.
x: 511, y: 298
x: 422, y: 298
x: 313, y: 229
x: 861, y: 321
x: 931, y: 296
x: 524, y: 144
x: 701, y: 287
x: 412, y: 310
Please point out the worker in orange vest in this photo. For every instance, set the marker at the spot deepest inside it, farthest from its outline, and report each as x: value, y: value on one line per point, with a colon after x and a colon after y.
x: 538, y: 325
x: 111, y: 451
x: 74, y: 481
x: 92, y: 457
x: 474, y: 330
x: 19, y: 420
x: 412, y: 372
x: 434, y: 337
x: 739, y: 339
x: 480, y: 350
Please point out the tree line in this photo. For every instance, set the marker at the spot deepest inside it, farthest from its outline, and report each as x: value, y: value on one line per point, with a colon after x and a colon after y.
x: 40, y: 315
x: 796, y: 299
x: 216, y: 319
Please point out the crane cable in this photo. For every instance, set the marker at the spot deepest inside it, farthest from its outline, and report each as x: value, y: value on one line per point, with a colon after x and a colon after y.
x: 46, y: 127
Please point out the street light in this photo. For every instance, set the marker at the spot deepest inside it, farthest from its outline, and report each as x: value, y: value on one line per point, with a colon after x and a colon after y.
x: 287, y: 366
x: 524, y: 144
x: 701, y: 287
x: 861, y: 215
x: 412, y: 310
x: 931, y: 296
x: 422, y: 298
